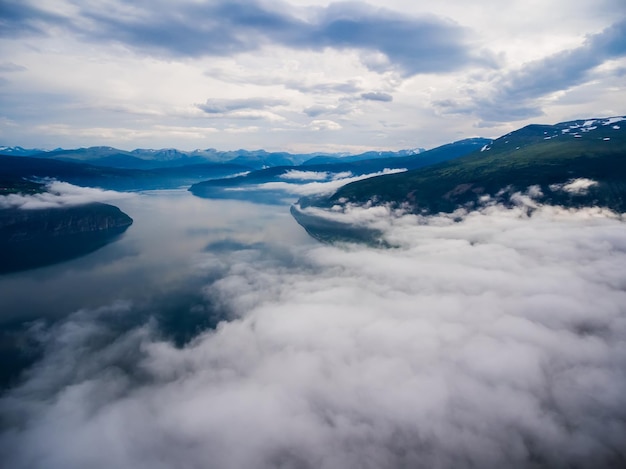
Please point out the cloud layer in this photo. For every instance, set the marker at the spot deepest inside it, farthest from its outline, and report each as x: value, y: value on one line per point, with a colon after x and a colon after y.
x: 495, y: 341
x: 314, y: 75
x: 218, y: 28
x: 60, y: 194
x: 516, y: 95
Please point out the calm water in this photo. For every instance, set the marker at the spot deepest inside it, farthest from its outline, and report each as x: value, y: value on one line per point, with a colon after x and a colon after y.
x: 176, y: 245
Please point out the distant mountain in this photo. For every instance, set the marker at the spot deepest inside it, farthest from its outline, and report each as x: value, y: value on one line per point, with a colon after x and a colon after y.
x: 171, y: 157
x: 223, y: 188
x: 19, y: 151
x: 573, y: 164
x: 17, y: 168
x: 262, y: 159
x: 116, y: 158
x: 120, y: 161
x: 370, y: 155
x: 162, y: 158
x: 164, y: 154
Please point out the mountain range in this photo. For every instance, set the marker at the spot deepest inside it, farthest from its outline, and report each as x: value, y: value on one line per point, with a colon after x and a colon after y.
x: 572, y: 164
x: 171, y: 157
x: 327, y: 169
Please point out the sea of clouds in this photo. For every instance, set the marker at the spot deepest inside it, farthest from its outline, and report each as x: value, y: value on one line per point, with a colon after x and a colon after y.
x: 492, y: 339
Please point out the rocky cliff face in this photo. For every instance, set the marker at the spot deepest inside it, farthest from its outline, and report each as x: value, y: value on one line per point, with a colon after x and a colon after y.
x: 34, y: 238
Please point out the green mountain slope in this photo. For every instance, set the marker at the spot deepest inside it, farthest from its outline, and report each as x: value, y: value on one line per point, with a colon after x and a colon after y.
x: 536, y: 155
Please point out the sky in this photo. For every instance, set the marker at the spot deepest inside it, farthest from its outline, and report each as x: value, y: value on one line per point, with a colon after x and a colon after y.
x: 302, y: 75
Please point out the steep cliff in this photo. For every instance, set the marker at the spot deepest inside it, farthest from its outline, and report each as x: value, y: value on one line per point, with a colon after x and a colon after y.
x: 34, y: 238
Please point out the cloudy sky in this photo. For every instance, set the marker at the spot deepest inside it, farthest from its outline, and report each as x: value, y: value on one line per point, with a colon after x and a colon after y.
x: 302, y: 75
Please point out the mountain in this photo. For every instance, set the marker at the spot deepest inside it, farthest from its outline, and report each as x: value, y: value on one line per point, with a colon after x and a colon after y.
x: 18, y: 168
x: 223, y: 188
x: 116, y: 158
x: 573, y: 164
x: 19, y: 151
x: 255, y: 159
x: 370, y: 155
x: 141, y: 158
x: 162, y: 158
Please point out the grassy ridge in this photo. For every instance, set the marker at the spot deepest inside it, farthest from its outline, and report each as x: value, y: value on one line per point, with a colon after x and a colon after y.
x: 534, y: 155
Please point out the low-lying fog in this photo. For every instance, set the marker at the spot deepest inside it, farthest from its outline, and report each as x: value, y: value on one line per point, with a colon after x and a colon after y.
x: 217, y: 334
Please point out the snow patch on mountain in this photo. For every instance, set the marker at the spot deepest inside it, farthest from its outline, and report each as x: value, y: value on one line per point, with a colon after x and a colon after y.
x: 613, y: 120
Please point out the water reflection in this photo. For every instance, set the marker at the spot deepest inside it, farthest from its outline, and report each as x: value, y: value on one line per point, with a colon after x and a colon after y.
x: 45, y: 247
x: 177, y: 245
x: 157, y: 255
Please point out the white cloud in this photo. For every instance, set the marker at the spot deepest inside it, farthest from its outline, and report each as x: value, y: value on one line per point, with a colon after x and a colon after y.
x: 60, y: 194
x: 120, y: 91
x: 577, y: 186
x: 342, y: 175
x: 305, y: 175
x: 495, y: 341
x: 324, y: 124
x: 318, y: 188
